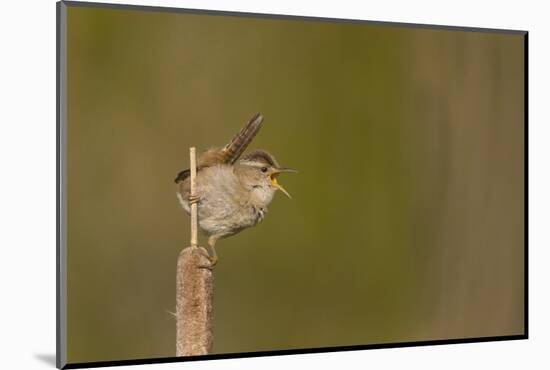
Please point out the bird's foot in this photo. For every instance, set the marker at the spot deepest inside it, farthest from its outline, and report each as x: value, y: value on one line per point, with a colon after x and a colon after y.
x: 213, y: 259
x: 194, y: 199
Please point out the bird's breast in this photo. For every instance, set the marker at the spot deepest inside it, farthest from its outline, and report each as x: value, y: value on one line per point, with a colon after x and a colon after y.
x: 225, y: 206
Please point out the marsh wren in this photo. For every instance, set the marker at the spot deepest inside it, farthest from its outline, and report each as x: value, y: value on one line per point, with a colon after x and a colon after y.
x: 233, y: 193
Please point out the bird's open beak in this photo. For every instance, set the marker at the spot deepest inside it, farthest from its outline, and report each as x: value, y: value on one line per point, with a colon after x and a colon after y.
x: 276, y: 184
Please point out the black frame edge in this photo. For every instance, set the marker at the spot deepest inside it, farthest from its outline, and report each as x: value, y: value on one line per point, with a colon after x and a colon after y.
x: 526, y: 182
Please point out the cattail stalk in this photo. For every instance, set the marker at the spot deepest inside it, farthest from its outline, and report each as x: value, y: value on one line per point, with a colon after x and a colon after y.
x: 194, y: 290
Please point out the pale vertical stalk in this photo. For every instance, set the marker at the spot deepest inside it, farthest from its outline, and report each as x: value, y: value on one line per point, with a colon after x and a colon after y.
x: 194, y: 216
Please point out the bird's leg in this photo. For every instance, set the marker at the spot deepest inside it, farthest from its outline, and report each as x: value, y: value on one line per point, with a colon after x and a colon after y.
x: 212, y: 242
x: 214, y: 258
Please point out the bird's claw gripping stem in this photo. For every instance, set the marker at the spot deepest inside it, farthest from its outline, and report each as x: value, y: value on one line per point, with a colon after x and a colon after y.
x: 194, y: 199
x: 213, y: 261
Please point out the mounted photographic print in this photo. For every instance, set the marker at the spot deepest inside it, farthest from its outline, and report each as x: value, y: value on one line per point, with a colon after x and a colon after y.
x: 234, y: 184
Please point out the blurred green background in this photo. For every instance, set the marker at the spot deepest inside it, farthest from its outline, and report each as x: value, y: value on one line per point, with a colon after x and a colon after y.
x: 407, y: 217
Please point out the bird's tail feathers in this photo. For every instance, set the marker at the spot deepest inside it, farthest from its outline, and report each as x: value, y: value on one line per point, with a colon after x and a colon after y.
x: 236, y: 147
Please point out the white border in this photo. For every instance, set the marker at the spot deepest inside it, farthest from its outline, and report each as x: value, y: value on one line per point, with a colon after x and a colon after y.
x: 27, y: 152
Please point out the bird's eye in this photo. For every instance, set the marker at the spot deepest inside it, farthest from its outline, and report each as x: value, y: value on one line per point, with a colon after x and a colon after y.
x: 264, y: 169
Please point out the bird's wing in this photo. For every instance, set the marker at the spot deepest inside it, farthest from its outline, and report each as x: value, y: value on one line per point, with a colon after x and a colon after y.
x: 182, y: 176
x: 232, y: 151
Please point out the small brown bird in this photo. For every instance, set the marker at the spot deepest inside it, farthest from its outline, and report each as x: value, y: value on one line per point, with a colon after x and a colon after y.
x: 232, y: 193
